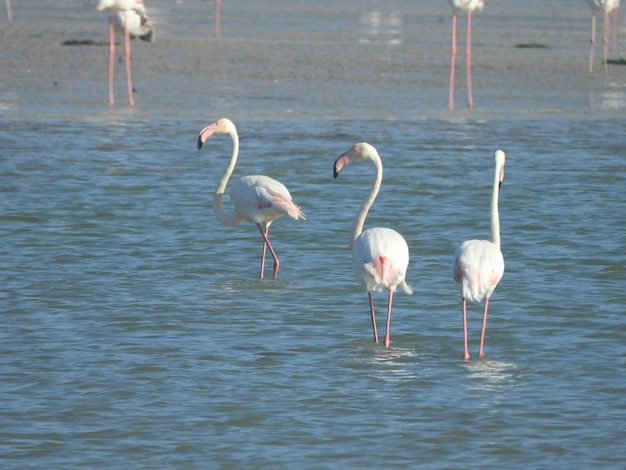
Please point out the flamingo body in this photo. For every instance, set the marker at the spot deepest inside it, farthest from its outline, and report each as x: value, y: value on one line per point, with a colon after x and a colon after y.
x: 261, y: 199
x: 138, y: 25
x: 380, y: 255
x: 478, y: 265
x: 467, y: 7
x: 256, y: 198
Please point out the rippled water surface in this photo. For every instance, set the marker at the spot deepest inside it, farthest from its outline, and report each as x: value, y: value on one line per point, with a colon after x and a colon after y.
x: 135, y: 332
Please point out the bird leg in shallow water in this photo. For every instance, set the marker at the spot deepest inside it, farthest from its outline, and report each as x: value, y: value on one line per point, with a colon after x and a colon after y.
x: 468, y: 60
x: 466, y: 355
x: 267, y: 244
x: 111, y: 58
x: 482, y: 336
x: 388, y: 318
x: 129, y: 81
x: 369, y: 296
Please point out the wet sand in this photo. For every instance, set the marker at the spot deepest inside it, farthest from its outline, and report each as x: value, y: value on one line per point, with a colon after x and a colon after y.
x: 367, y: 58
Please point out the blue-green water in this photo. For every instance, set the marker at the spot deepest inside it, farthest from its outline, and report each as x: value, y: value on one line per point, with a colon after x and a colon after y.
x: 135, y: 333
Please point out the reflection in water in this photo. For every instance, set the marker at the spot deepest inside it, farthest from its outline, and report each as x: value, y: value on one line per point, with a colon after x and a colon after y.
x: 489, y: 375
x: 392, y: 363
x: 380, y: 27
x: 613, y: 96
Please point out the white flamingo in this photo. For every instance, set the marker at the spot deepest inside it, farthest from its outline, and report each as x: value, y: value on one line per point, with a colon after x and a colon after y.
x: 478, y: 265
x: 131, y: 16
x: 257, y: 198
x: 606, y: 7
x: 466, y: 6
x: 380, y: 255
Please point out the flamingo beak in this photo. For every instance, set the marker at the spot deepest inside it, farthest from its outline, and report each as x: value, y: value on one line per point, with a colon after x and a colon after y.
x: 205, y: 133
x: 342, y: 161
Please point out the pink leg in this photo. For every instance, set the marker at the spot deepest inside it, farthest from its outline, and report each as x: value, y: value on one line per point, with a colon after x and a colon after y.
x: 468, y: 60
x: 466, y: 355
x: 593, y: 41
x: 452, y: 60
x: 605, y: 41
x: 388, y: 318
x: 217, y: 19
x: 9, y: 13
x: 111, y: 58
x: 129, y: 80
x: 482, y: 335
x: 266, y: 242
x: 369, y: 296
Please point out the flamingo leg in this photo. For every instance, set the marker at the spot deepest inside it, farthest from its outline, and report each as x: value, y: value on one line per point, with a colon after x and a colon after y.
x: 369, y: 296
x: 452, y: 60
x: 593, y: 41
x: 605, y: 41
x: 387, y: 331
x: 266, y: 243
x: 466, y: 355
x: 217, y: 19
x: 129, y: 80
x: 9, y: 13
x: 468, y: 60
x: 111, y: 58
x: 482, y: 335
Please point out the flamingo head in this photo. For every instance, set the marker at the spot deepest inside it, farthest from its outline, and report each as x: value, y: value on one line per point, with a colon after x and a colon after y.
x: 221, y: 126
x: 499, y: 158
x: 360, y: 151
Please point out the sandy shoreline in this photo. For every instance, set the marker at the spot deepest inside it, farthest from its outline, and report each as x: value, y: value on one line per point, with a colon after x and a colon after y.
x: 308, y: 59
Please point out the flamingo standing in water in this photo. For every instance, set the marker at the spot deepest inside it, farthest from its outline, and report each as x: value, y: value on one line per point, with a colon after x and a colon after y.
x: 606, y: 7
x: 467, y: 6
x: 478, y: 265
x: 380, y: 255
x: 131, y: 16
x: 257, y: 198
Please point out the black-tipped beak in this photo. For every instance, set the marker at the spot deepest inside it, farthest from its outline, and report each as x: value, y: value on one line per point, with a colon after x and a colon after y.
x: 335, y: 172
x: 199, y: 142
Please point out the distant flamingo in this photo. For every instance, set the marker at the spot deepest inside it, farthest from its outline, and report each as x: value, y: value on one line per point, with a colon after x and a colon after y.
x: 380, y: 255
x: 467, y: 6
x: 478, y: 264
x: 132, y: 16
x: 9, y: 13
x: 257, y: 198
x: 606, y: 7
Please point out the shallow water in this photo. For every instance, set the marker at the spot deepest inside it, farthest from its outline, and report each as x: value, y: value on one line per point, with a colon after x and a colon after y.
x: 136, y: 333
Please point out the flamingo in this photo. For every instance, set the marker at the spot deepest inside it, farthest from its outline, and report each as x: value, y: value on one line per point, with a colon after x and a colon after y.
x: 478, y: 265
x: 467, y: 6
x: 257, y: 198
x: 606, y: 7
x: 380, y: 255
x: 131, y: 16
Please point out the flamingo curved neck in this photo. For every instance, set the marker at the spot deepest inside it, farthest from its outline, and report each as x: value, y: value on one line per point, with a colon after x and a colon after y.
x: 495, y: 218
x: 218, y: 206
x: 359, y: 221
